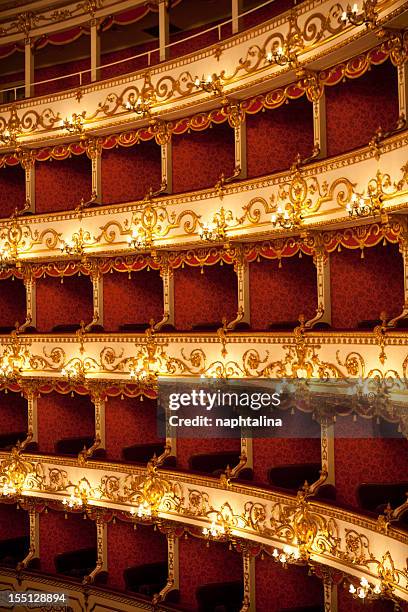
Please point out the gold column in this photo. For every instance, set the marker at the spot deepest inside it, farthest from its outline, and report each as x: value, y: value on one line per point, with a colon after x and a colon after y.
x: 319, y: 124
x: 241, y: 268
x: 26, y: 158
x: 95, y: 51
x: 30, y: 287
x: 167, y: 276
x: 28, y: 68
x: 173, y: 566
x: 164, y: 31
x: 236, y: 9
x: 96, y: 278
x: 403, y: 249
x: 322, y: 262
x: 249, y: 604
x: 403, y: 89
x: 99, y: 404
x: 167, y: 165
x: 327, y: 450
x: 94, y: 153
x: 31, y: 395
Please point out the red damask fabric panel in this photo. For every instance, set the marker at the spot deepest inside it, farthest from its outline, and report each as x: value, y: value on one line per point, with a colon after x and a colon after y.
x: 138, y: 424
x: 12, y: 302
x: 204, y: 298
x: 275, y: 137
x: 12, y: 189
x: 128, y: 547
x: 356, y: 108
x: 187, y: 447
x: 66, y: 303
x: 362, y: 288
x: 131, y: 65
x: 137, y: 299
x: 128, y: 173
x: 267, y: 12
x: 277, y: 588
x: 199, y: 565
x: 282, y: 294
x: 200, y: 41
x: 63, y: 416
x: 61, y: 185
x: 368, y: 460
x: 13, y: 412
x: 55, y: 70
x: 268, y: 453
x: 60, y: 535
x: 200, y: 157
x: 14, y: 522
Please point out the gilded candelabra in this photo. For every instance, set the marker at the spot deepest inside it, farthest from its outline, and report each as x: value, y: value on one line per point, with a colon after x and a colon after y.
x: 216, y: 229
x: 378, y: 189
x: 141, y: 102
x: 77, y: 244
x: 141, y: 238
x: 365, y: 591
x: 366, y: 16
x: 75, y: 125
x: 211, y: 84
x: 285, y: 53
x: 14, y: 473
x: 9, y: 135
x: 289, y: 214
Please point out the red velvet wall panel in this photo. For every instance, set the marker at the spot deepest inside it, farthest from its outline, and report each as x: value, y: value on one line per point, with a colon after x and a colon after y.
x: 15, y: 77
x: 267, y: 12
x: 60, y: 70
x: 200, y: 565
x: 275, y: 137
x: 12, y: 302
x: 128, y: 547
x: 137, y: 299
x: 13, y: 412
x: 187, y: 447
x: 131, y: 65
x: 198, y: 42
x: 362, y: 288
x: 63, y: 303
x: 12, y: 189
x: 200, y: 157
x: 13, y: 523
x: 376, y: 460
x: 268, y: 453
x: 60, y: 185
x: 63, y: 416
x: 59, y: 535
x: 277, y: 588
x: 367, y: 102
x: 206, y: 297
x: 137, y: 424
x: 127, y: 174
x: 282, y: 294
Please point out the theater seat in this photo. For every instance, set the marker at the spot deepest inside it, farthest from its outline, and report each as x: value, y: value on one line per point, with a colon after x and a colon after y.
x: 215, y: 464
x: 134, y: 327
x: 73, y: 446
x: 67, y: 328
x: 13, y: 550
x: 207, y: 326
x: 146, y: 579
x: 8, y: 440
x: 375, y: 496
x: 283, y: 326
x: 293, y: 477
x: 142, y: 453
x: 78, y: 563
x: 220, y: 596
x: 368, y: 324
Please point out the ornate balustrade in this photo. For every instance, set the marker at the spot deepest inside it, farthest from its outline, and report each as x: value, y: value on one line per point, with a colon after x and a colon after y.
x: 315, y: 196
x: 316, y: 29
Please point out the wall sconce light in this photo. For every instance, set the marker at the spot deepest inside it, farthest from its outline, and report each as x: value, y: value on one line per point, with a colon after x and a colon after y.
x: 365, y: 591
x: 283, y: 56
x: 12, y: 130
x: 75, y: 125
x: 140, y: 105
x: 14, y: 473
x: 141, y: 239
x: 143, y: 511
x: 215, y: 531
x: 287, y: 556
x: 211, y: 84
x: 367, y: 16
x: 76, y: 246
x: 216, y: 229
